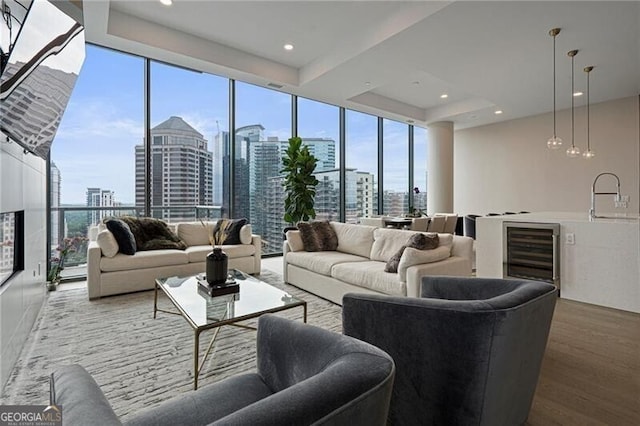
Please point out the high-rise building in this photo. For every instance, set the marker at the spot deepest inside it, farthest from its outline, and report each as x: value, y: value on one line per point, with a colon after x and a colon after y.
x: 220, y: 148
x: 98, y: 197
x: 55, y: 180
x: 181, y: 171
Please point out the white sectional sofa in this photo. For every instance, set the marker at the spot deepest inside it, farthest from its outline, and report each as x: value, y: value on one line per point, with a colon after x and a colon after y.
x: 121, y: 273
x: 358, y: 263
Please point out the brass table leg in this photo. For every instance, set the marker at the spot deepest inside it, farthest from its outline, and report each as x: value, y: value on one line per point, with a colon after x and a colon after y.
x: 155, y: 300
x: 196, y: 370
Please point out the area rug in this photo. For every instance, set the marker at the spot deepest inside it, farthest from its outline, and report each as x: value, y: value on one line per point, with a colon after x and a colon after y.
x: 136, y: 360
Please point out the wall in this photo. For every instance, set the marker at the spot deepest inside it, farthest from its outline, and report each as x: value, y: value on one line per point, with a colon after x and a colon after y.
x: 508, y: 167
x: 22, y: 187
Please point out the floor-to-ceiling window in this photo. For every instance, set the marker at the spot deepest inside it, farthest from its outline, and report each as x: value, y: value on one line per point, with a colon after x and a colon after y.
x: 263, y: 128
x: 361, y: 166
x: 395, y: 174
x: 189, y: 131
x: 319, y: 128
x: 92, y: 157
x: 420, y: 168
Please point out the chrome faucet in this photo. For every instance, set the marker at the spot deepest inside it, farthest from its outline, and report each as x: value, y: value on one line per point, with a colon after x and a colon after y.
x: 618, y: 198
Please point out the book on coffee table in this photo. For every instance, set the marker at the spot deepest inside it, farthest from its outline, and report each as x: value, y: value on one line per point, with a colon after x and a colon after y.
x: 230, y: 287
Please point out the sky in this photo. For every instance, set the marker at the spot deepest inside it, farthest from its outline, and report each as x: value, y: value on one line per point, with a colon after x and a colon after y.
x: 95, y: 143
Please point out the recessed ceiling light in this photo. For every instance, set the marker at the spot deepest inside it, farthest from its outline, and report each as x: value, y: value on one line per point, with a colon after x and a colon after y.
x: 578, y: 94
x: 498, y: 112
x: 367, y: 83
x: 166, y: 2
x: 444, y: 96
x: 288, y: 46
x: 416, y: 83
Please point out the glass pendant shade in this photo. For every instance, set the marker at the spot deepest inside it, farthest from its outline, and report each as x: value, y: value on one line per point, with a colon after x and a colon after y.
x: 573, y: 152
x: 554, y: 142
x: 588, y: 154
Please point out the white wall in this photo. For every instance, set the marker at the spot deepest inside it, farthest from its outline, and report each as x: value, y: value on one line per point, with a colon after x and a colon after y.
x: 22, y: 187
x: 508, y: 167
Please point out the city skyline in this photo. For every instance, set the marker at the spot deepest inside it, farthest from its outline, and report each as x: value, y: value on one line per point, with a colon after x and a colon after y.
x: 104, y: 121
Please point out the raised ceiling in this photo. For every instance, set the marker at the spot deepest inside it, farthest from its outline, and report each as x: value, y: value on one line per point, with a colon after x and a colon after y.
x: 392, y: 58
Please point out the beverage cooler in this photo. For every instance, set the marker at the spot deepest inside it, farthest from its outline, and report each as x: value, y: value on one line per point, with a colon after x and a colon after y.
x: 531, y: 251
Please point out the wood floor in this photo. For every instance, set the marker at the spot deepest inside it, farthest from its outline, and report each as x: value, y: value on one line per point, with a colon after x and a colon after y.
x: 591, y: 370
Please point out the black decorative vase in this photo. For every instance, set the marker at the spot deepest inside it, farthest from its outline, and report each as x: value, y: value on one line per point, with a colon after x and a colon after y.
x: 217, y: 266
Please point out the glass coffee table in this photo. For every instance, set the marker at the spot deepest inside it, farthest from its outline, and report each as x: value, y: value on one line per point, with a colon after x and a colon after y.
x: 203, y: 312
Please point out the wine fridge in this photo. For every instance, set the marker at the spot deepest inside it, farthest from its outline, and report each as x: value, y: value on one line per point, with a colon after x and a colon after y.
x: 531, y: 251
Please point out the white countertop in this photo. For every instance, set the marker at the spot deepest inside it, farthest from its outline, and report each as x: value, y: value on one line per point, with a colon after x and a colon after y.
x: 559, y: 217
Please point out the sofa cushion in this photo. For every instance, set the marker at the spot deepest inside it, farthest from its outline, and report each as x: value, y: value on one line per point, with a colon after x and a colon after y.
x: 412, y: 256
x: 107, y: 243
x: 354, y: 239
x: 420, y: 241
x: 123, y: 235
x: 318, y: 235
x: 195, y: 233
x: 143, y: 259
x: 321, y: 263
x: 387, y: 242
x: 294, y: 240
x: 199, y: 253
x: 370, y: 274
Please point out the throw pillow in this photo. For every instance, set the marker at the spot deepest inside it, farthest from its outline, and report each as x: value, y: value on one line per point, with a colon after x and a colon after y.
x: 124, y: 237
x: 107, y: 243
x: 294, y: 240
x: 145, y: 229
x: 412, y: 257
x: 162, y: 243
x: 318, y: 235
x: 418, y: 241
x: 227, y: 231
x: 245, y: 234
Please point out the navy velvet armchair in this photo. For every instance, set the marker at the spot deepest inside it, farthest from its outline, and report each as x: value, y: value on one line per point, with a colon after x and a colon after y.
x: 305, y: 375
x: 468, y: 352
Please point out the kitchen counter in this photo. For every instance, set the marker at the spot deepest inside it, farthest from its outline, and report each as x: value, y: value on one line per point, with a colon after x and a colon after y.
x: 599, y: 258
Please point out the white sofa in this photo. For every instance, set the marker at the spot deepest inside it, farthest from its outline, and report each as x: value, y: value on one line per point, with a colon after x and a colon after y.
x: 124, y: 274
x: 359, y: 262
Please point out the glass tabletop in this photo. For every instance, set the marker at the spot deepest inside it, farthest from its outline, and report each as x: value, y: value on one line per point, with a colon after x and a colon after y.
x: 201, y: 310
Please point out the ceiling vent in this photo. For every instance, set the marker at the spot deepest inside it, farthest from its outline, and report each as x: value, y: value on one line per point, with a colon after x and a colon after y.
x: 275, y: 85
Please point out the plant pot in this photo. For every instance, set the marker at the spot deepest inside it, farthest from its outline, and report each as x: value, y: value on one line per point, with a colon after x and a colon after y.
x: 217, y: 267
x: 52, y: 285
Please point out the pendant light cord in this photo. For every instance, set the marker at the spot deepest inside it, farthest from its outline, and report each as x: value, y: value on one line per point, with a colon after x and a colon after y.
x: 554, y: 86
x: 573, y: 145
x: 588, y: 91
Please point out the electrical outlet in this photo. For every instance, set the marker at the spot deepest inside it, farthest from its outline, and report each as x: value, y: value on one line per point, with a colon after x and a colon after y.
x: 570, y: 238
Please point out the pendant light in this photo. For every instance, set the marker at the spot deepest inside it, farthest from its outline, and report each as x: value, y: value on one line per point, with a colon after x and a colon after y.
x: 573, y: 150
x: 554, y: 141
x: 588, y: 154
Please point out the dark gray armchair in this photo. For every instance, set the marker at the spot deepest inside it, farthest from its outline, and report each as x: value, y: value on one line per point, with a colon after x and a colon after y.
x: 305, y: 375
x: 468, y: 352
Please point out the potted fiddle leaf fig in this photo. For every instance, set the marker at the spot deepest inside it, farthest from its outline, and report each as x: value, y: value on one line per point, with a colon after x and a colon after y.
x: 299, y: 182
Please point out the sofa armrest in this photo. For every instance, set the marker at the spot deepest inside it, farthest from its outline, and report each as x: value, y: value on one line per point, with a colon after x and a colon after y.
x: 80, y: 396
x: 94, y: 255
x: 452, y: 266
x: 285, y: 249
x: 462, y: 246
x: 256, y: 241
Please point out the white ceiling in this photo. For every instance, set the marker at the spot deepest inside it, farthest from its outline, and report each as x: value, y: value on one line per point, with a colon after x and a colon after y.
x: 392, y: 58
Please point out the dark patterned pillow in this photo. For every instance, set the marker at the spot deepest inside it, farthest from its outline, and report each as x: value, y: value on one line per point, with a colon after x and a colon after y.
x: 123, y: 235
x: 418, y: 241
x: 318, y: 235
x: 153, y: 234
x: 227, y: 231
